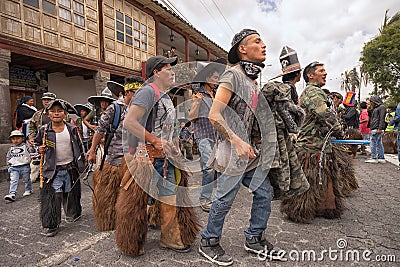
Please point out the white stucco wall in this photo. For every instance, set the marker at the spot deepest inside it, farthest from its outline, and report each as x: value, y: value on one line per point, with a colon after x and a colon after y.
x: 74, y: 89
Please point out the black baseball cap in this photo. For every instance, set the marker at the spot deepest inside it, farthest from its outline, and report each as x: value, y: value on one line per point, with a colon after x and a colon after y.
x: 233, y: 56
x: 153, y: 62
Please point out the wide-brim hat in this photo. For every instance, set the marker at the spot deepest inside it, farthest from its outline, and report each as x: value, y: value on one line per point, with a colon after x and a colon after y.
x: 233, y: 56
x: 106, y: 95
x: 153, y: 62
x: 78, y: 107
x: 64, y: 104
x: 204, y: 69
x: 289, y: 62
x: 16, y: 133
x: 115, y: 88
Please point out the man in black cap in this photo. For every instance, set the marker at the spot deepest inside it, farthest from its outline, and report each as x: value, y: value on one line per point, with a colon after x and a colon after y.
x: 238, y: 148
x: 204, y: 85
x: 150, y: 121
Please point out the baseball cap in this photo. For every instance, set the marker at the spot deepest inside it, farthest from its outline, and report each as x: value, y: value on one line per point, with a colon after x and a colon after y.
x: 153, y: 62
x: 48, y: 95
x: 16, y: 133
x: 233, y: 56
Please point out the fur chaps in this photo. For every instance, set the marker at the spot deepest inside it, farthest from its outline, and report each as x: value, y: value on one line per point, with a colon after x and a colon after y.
x: 389, y: 141
x: 346, y: 170
x: 50, y: 207
x: 131, y: 207
x: 72, y: 200
x: 188, y: 222
x: 106, y: 185
x: 323, y: 200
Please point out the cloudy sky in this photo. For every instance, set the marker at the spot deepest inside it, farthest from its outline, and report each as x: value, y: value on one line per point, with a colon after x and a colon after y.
x: 330, y: 31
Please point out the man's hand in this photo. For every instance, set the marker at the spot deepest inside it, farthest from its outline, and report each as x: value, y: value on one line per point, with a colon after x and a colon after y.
x: 197, y: 96
x: 91, y: 156
x: 379, y: 131
x: 243, y: 149
x: 42, y: 149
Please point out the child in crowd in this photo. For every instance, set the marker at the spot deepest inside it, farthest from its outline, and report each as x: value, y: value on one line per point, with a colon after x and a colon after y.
x: 64, y: 159
x: 18, y: 160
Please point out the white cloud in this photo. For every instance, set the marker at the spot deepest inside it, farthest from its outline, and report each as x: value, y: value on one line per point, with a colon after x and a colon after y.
x: 330, y: 31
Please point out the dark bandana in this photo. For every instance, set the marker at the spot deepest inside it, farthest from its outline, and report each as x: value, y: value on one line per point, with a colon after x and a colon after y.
x: 252, y: 69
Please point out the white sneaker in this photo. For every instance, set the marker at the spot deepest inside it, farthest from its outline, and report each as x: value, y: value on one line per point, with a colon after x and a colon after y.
x: 382, y: 160
x: 10, y: 197
x: 27, y: 193
x: 371, y: 161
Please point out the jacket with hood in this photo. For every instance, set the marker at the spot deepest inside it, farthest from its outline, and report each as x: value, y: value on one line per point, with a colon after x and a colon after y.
x: 377, y: 120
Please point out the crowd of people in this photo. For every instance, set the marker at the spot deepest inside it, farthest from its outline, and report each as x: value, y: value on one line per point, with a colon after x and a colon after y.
x: 271, y: 140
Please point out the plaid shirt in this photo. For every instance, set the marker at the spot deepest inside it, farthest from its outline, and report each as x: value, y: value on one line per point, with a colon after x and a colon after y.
x: 202, y: 126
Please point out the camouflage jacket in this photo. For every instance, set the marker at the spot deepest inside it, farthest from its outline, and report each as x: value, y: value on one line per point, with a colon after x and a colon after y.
x: 35, y: 123
x: 319, y: 120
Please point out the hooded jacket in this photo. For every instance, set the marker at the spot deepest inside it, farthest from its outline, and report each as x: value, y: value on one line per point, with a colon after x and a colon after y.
x: 377, y: 120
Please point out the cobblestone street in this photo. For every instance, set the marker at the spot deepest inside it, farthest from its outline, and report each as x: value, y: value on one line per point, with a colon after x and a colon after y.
x: 369, y: 228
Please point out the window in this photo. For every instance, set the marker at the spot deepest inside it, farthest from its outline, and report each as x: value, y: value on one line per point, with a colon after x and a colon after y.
x: 66, y: 3
x: 79, y: 8
x: 128, y: 20
x: 143, y: 28
x: 34, y: 3
x: 130, y: 31
x: 49, y: 7
x: 129, y: 40
x: 120, y: 36
x: 137, y: 43
x: 136, y: 25
x: 79, y: 20
x: 120, y: 26
x: 65, y: 14
x: 119, y: 16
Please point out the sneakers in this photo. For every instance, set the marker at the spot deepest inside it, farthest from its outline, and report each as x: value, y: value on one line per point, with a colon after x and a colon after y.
x: 206, y: 205
x: 10, y: 197
x: 381, y: 160
x: 27, y: 193
x: 261, y: 247
x: 371, y: 161
x: 50, y: 232
x: 212, y: 251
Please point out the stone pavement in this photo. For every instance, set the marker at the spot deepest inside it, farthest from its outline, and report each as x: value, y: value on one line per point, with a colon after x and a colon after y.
x: 369, y: 228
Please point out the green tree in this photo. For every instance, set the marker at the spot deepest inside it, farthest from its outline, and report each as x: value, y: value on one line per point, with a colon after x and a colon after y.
x: 381, y: 60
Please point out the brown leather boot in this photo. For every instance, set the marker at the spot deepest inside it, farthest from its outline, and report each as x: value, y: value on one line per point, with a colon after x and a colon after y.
x: 170, y: 233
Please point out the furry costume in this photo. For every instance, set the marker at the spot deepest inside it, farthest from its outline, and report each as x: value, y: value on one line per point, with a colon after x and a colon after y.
x: 72, y: 200
x: 105, y: 192
x: 131, y: 208
x: 323, y: 200
x: 50, y: 207
x: 346, y: 170
x: 389, y: 141
x: 353, y: 134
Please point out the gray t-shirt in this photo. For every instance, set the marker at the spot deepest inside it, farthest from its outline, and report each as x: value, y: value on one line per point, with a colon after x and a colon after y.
x: 165, y: 118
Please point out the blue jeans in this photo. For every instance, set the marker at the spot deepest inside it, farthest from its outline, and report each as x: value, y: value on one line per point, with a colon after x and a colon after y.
x: 206, y: 146
x: 227, y: 188
x: 62, y: 181
x: 16, y: 172
x: 376, y: 144
x: 166, y: 187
